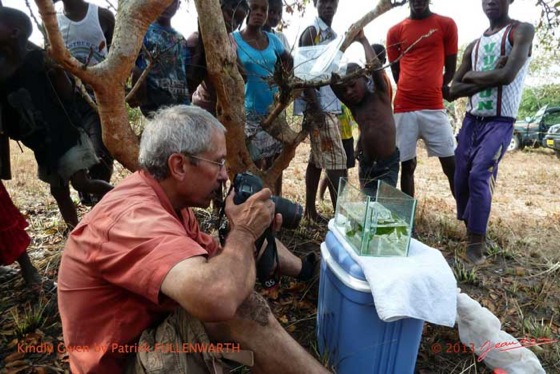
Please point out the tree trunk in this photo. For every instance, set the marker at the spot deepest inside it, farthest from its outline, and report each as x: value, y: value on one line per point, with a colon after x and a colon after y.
x: 221, y: 63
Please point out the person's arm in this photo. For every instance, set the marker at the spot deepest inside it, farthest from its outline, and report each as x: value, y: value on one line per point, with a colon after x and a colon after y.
x: 450, y: 47
x: 196, y: 71
x: 458, y: 88
x: 393, y: 52
x: 107, y: 22
x: 212, y: 290
x: 522, y: 40
x: 371, y: 58
x: 284, y: 54
x: 450, y: 68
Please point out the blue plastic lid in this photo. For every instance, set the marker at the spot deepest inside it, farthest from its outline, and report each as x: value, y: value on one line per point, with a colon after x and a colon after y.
x: 339, y: 252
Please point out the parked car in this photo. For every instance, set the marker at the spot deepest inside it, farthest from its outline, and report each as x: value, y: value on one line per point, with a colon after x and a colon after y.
x: 552, y: 139
x: 532, y: 130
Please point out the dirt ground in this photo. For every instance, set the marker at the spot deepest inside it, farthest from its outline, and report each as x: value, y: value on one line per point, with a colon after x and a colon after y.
x: 519, y: 283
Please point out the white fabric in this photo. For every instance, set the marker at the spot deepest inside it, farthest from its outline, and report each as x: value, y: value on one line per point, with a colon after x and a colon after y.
x: 84, y: 37
x: 420, y: 286
x: 432, y: 126
x: 481, y: 331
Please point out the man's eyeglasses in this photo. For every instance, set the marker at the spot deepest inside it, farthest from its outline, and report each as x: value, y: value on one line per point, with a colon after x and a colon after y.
x: 221, y: 164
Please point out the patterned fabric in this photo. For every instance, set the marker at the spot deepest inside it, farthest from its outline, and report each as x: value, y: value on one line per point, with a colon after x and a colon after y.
x: 503, y: 100
x: 327, y: 151
x: 261, y: 144
x: 167, y: 80
x: 346, y: 121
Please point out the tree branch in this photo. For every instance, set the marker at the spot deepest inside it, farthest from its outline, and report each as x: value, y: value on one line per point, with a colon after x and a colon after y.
x: 144, y: 74
x: 108, y: 78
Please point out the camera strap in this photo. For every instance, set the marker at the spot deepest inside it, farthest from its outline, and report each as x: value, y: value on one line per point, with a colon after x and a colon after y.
x: 268, y: 263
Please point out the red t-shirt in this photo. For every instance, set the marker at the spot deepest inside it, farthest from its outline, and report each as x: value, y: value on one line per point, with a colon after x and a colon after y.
x: 421, y: 68
x: 112, y: 269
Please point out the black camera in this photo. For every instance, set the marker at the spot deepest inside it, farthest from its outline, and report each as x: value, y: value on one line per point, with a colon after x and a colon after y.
x: 246, y: 184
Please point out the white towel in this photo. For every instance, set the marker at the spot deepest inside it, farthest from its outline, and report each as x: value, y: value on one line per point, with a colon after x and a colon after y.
x: 420, y: 286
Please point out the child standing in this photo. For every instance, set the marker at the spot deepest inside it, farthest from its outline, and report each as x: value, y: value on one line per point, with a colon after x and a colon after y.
x: 377, y: 152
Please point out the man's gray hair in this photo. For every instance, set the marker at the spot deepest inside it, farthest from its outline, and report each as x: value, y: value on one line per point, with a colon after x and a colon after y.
x: 176, y: 129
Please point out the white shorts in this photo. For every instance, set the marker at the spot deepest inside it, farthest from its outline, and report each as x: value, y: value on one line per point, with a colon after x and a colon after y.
x: 432, y: 126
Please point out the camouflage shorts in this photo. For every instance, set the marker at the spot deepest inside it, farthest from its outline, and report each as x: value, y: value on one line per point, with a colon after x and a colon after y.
x: 176, y: 330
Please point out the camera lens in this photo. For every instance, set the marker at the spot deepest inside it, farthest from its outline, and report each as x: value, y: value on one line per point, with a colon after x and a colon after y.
x: 291, y: 212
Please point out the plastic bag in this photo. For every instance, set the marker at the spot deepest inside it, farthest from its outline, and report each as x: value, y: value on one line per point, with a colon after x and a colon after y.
x: 481, y: 330
x: 318, y: 62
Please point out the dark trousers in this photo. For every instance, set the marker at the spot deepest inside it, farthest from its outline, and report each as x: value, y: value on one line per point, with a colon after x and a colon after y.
x: 371, y: 172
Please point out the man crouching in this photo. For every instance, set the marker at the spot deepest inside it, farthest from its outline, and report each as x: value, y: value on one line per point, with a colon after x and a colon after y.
x: 138, y: 271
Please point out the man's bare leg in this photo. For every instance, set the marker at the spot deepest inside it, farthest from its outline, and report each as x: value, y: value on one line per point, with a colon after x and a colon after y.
x: 333, y: 177
x: 312, y: 178
x: 407, y: 176
x: 255, y: 328
x: 448, y: 167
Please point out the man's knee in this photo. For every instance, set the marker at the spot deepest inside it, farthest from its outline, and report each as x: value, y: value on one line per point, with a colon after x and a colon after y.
x: 254, y: 308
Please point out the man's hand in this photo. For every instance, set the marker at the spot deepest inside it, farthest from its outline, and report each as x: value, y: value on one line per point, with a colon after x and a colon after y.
x: 360, y: 36
x: 253, y: 216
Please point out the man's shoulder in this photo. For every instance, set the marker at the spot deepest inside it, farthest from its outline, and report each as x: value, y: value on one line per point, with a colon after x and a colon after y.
x: 396, y: 28
x: 444, y: 19
x: 133, y: 200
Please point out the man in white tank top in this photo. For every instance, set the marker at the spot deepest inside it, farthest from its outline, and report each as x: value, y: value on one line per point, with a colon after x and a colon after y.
x: 87, y: 31
x: 491, y: 76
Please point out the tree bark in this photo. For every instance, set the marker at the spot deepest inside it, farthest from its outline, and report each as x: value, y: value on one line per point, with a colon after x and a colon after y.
x: 221, y: 63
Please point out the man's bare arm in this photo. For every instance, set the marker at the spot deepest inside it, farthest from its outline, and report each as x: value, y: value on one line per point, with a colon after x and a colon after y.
x: 107, y: 22
x: 449, y: 70
x: 458, y: 87
x: 522, y: 40
x: 212, y: 290
x: 371, y: 58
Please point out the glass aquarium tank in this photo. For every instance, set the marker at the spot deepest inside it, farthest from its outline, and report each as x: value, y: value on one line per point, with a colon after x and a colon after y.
x: 375, y: 226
